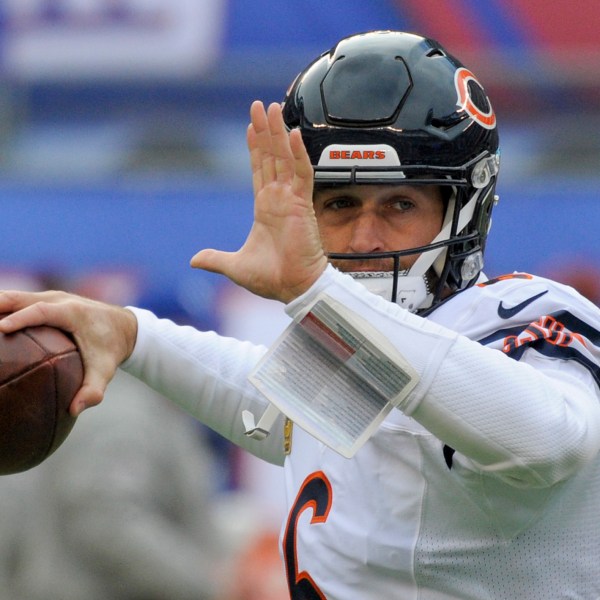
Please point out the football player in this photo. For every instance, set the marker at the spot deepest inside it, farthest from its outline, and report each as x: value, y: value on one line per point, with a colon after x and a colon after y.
x: 439, y: 430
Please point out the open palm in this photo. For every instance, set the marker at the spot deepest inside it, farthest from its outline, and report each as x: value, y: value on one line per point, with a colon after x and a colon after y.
x: 282, y: 255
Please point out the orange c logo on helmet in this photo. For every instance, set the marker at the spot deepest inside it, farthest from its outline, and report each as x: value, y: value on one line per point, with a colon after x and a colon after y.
x: 484, y: 115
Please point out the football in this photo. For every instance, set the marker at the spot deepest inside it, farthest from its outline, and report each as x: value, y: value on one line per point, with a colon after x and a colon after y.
x: 40, y: 373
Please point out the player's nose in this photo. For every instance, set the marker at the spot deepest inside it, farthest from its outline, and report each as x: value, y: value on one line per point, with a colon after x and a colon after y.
x: 367, y: 233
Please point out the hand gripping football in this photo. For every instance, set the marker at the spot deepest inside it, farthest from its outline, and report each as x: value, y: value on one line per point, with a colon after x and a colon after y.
x: 40, y: 373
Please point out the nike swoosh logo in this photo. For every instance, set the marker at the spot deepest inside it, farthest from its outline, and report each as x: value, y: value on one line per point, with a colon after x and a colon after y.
x: 507, y: 313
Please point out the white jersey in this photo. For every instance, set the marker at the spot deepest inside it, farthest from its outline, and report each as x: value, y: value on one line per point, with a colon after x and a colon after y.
x: 485, y: 484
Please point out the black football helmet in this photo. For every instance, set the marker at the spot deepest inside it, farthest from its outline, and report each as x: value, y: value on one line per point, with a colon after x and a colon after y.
x: 388, y: 107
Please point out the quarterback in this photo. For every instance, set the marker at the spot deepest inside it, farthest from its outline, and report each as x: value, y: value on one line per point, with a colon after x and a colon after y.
x: 445, y: 443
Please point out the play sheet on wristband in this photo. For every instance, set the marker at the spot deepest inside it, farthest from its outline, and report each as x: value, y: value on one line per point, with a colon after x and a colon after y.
x: 334, y: 375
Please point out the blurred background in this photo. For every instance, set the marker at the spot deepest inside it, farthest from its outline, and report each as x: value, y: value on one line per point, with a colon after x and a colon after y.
x: 122, y: 153
x: 122, y: 126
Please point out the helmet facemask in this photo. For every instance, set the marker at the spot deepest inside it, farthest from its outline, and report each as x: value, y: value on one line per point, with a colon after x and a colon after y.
x: 450, y: 262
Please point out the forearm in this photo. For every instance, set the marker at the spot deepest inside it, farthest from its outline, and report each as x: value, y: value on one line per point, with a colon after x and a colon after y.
x: 206, y: 374
x: 506, y: 416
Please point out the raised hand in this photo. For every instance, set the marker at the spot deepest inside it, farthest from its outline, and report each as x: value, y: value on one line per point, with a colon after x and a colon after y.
x: 105, y: 334
x: 282, y: 255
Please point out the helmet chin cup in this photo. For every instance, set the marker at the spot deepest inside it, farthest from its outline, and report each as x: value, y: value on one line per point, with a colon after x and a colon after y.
x: 412, y: 293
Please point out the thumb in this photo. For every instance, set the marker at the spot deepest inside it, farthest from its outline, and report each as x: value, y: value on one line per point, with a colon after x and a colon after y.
x: 88, y: 395
x: 214, y: 261
x: 93, y: 387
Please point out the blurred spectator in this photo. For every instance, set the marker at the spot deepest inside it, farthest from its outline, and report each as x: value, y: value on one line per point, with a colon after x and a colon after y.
x: 248, y: 317
x: 123, y: 510
x: 14, y: 494
x: 258, y: 573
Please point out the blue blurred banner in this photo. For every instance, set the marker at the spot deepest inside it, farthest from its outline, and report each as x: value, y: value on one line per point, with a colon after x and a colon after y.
x: 154, y: 232
x: 122, y: 122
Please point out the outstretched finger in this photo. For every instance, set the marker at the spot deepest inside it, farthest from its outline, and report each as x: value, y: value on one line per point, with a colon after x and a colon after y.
x: 284, y: 159
x: 261, y: 151
x: 302, y: 184
x: 255, y: 159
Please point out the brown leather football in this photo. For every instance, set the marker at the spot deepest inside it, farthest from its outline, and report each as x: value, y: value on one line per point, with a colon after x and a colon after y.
x: 40, y: 373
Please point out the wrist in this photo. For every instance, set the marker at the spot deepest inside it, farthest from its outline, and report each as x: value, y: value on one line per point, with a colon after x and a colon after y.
x: 292, y: 293
x: 129, y: 326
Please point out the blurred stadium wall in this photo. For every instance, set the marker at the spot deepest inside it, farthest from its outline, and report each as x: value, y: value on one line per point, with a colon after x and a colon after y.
x: 122, y: 126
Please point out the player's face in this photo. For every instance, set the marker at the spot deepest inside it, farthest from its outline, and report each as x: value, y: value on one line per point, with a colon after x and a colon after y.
x: 377, y: 218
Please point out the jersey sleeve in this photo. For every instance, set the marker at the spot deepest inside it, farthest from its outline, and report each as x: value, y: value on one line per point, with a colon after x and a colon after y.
x: 563, y: 328
x: 530, y: 422
x: 205, y: 374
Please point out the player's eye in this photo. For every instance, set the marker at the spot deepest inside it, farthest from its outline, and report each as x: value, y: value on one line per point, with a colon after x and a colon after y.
x: 401, y: 204
x: 339, y: 203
